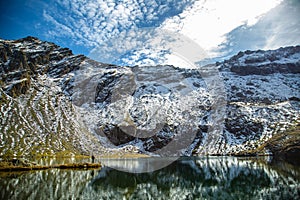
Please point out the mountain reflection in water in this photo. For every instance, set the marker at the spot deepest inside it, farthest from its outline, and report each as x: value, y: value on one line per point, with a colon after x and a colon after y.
x: 186, y: 178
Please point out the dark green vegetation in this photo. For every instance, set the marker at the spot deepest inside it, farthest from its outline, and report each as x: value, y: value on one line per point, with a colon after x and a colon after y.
x: 286, y: 145
x: 283, y: 146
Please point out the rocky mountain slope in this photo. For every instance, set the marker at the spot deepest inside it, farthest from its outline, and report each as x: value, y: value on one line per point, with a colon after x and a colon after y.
x: 55, y: 102
x: 37, y: 118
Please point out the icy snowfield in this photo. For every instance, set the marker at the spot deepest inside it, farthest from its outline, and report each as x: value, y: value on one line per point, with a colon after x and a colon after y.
x: 53, y: 101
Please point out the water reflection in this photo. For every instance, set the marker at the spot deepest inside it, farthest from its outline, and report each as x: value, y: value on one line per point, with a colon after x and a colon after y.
x: 59, y: 160
x: 140, y: 165
x: 45, y: 184
x: 187, y: 178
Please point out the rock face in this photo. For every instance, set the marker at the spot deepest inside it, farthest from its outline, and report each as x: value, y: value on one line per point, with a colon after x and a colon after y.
x: 283, y: 60
x: 53, y: 101
x: 37, y: 118
x: 263, y: 96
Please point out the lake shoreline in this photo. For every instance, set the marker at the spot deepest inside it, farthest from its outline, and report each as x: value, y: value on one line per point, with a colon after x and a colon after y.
x: 20, y: 164
x: 15, y: 164
x: 10, y: 166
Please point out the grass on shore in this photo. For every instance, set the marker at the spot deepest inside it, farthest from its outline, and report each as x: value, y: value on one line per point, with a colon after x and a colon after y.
x: 124, y: 155
x: 8, y: 166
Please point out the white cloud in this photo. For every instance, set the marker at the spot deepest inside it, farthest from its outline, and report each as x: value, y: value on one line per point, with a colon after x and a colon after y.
x: 114, y: 26
x: 61, y: 28
x: 284, y: 25
x: 95, y: 22
x: 207, y: 22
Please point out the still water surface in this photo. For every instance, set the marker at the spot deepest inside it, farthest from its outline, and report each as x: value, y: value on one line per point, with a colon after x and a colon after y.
x: 186, y: 178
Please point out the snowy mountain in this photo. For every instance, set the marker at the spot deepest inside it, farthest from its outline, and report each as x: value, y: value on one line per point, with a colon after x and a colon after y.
x: 54, y: 102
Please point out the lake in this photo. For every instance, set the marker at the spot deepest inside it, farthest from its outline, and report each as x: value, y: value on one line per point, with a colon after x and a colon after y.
x: 185, y: 178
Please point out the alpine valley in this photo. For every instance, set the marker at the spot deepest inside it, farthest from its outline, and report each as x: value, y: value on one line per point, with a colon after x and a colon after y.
x: 55, y: 103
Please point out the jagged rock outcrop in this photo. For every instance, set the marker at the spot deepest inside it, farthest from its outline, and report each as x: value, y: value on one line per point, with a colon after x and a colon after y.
x: 53, y: 101
x: 283, y: 60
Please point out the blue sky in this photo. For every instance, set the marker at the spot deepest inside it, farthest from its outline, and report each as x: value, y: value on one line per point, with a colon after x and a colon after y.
x: 108, y: 29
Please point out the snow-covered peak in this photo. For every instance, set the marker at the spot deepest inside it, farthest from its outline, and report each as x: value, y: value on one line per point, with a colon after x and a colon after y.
x: 53, y: 101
